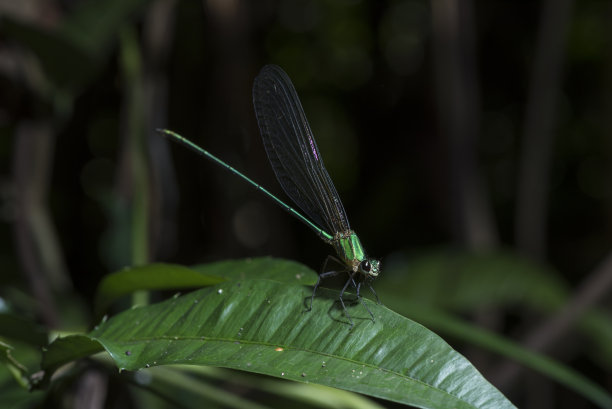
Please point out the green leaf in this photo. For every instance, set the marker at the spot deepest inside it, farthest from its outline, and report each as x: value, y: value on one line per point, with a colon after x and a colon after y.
x: 162, y: 276
x: 74, y: 54
x: 261, y: 326
x: 538, y: 362
x: 180, y: 389
x: 95, y: 24
x: 288, y: 394
x: 65, y: 350
x: 597, y: 324
x: 470, y: 282
x: 21, y: 329
x: 465, y: 281
x: 15, y: 395
x: 286, y: 271
x: 65, y: 65
x: 18, y: 370
x: 158, y: 276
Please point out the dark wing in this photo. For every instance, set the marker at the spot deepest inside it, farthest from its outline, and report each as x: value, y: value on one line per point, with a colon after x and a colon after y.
x: 293, y: 152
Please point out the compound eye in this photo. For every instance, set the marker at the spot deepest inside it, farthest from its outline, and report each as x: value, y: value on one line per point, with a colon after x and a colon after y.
x: 365, y: 266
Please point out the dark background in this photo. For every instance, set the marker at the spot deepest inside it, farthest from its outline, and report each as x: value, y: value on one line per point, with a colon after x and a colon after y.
x: 481, y: 128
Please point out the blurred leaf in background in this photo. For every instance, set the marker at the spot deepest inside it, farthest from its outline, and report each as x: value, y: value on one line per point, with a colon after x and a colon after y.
x: 470, y: 143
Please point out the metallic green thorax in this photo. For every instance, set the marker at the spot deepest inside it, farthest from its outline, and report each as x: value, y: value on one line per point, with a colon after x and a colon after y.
x: 349, y: 249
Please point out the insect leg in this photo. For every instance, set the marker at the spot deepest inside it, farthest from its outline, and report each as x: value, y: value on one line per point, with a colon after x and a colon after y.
x: 362, y: 302
x: 374, y: 292
x: 324, y: 274
x: 342, y: 301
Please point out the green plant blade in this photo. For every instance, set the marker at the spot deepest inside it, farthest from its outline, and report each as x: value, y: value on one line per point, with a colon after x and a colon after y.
x: 285, y: 271
x: 470, y: 282
x: 73, y: 54
x: 16, y: 368
x: 181, y: 389
x: 464, y: 281
x: 455, y: 327
x: 288, y: 394
x: 158, y: 276
x: 65, y: 350
x: 261, y: 326
x: 21, y: 329
x: 162, y: 276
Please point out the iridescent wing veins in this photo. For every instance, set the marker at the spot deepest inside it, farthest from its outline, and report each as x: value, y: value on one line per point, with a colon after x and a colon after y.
x: 293, y: 152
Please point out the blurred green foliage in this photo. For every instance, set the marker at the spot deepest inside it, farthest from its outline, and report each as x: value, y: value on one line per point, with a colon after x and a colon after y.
x: 99, y: 76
